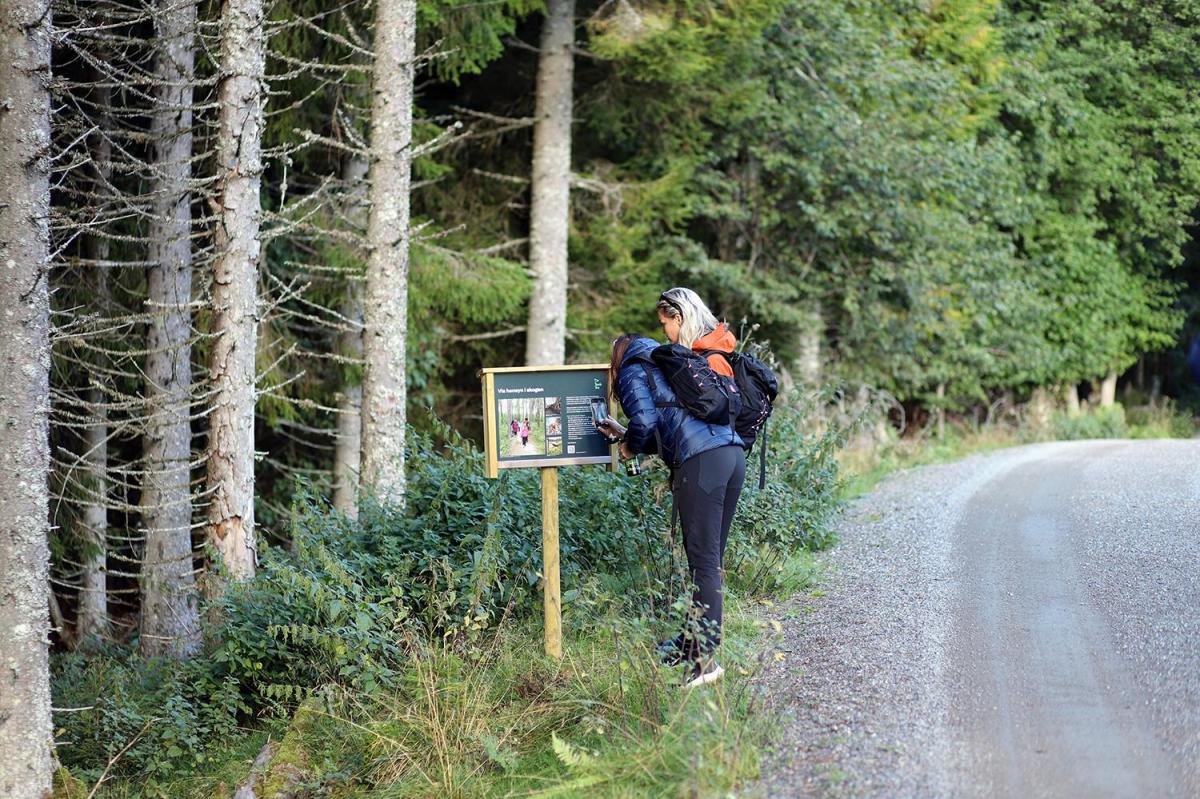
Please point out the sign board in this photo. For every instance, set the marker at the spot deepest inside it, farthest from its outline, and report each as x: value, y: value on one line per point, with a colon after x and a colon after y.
x: 545, y: 417
x: 540, y: 416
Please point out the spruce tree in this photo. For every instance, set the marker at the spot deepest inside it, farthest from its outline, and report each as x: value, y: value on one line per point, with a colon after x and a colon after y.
x: 385, y: 304
x: 235, y: 288
x: 25, y: 728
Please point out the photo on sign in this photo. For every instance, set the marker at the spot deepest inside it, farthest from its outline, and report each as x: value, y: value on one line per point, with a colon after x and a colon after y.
x: 553, y: 445
x: 522, y: 427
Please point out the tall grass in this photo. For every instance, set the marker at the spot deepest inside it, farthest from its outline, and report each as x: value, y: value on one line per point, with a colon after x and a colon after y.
x: 605, y: 721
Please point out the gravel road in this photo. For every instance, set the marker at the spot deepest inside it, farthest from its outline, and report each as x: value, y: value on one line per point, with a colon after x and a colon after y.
x: 1024, y: 623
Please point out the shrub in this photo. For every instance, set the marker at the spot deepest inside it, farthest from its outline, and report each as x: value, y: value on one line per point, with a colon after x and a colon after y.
x: 1162, y: 421
x: 795, y: 511
x: 171, y: 713
x: 1101, y: 423
x: 347, y: 602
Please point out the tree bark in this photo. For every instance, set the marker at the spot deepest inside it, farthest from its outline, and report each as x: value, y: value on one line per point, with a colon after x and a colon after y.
x: 92, y: 618
x: 1108, y: 390
x: 169, y: 621
x: 386, y: 302
x: 26, y: 736
x: 941, y: 410
x: 546, y: 333
x: 808, y: 365
x: 347, y: 452
x: 235, y: 290
x: 1071, y: 394
x: 1041, y: 408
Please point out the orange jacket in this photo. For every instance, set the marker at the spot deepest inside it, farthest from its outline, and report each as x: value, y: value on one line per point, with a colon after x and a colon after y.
x: 719, y: 339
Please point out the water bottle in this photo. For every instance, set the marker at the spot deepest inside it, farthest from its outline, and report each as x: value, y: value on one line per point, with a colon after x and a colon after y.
x: 632, y: 467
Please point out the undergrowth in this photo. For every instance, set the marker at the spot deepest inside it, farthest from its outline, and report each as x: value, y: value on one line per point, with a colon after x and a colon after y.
x: 404, y: 648
x: 864, y: 466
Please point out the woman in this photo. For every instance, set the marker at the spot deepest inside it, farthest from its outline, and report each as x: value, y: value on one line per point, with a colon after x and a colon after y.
x: 709, y: 466
x: 525, y: 434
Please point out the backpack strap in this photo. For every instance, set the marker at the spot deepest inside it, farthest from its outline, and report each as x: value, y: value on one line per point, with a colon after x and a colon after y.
x: 762, y: 457
x: 646, y: 364
x: 728, y: 356
x: 657, y: 436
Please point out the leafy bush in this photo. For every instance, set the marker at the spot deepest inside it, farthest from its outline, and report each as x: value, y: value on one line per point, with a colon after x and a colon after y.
x: 795, y: 511
x: 1101, y: 423
x: 1162, y: 421
x: 349, y: 602
x: 170, y: 714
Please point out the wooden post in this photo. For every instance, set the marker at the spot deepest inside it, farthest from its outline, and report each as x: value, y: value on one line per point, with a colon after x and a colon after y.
x: 551, y: 598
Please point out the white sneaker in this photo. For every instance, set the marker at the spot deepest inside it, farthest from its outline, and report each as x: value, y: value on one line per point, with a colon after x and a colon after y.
x: 710, y: 672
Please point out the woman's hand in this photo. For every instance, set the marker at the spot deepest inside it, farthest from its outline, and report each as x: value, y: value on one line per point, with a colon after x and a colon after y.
x: 611, y: 428
x: 624, y: 452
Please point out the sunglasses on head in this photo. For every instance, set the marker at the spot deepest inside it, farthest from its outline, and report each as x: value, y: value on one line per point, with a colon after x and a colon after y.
x: 663, y: 298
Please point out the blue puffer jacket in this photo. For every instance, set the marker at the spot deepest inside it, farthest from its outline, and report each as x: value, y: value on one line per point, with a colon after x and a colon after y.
x: 683, y: 436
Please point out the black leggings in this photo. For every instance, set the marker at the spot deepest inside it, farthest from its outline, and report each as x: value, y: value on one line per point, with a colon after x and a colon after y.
x: 706, y: 491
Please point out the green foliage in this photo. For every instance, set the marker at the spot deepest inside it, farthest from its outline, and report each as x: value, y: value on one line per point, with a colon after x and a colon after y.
x: 348, y: 603
x: 962, y: 197
x: 794, y: 513
x: 504, y: 720
x: 1106, y: 123
x: 1099, y: 423
x: 1166, y: 420
x: 173, y: 716
x: 468, y: 34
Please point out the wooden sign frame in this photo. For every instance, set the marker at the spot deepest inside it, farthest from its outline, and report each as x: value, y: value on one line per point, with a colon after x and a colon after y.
x: 567, y: 421
x: 491, y: 428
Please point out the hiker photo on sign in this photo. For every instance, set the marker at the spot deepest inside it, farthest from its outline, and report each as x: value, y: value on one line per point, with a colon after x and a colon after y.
x: 526, y: 431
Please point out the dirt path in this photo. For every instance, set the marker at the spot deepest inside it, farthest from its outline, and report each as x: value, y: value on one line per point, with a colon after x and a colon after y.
x: 1025, y: 623
x: 515, y: 449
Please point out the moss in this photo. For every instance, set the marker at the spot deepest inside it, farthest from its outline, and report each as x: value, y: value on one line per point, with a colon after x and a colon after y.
x: 67, y: 786
x: 290, y: 765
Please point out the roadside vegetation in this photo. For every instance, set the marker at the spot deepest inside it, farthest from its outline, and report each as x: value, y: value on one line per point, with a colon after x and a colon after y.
x: 870, y: 458
x: 400, y: 654
x: 969, y: 205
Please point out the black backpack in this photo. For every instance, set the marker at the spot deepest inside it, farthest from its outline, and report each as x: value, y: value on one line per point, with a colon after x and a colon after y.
x: 706, y: 395
x: 710, y: 397
x: 758, y: 388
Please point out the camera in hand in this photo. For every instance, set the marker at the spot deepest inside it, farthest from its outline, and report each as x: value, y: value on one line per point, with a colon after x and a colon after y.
x: 599, y: 412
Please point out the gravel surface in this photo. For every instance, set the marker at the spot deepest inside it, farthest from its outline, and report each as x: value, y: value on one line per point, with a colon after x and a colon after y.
x: 1020, y: 623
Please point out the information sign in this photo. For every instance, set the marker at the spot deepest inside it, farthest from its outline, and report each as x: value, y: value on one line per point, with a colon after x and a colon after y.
x: 545, y: 417
x: 539, y: 416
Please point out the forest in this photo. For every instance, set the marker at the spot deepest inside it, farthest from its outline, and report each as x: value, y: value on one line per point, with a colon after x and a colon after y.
x: 255, y: 255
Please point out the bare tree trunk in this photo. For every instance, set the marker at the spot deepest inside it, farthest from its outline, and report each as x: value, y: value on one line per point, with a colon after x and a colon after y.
x: 25, y: 729
x: 941, y: 410
x: 1071, y: 395
x: 808, y: 365
x: 235, y: 289
x: 1108, y: 390
x: 386, y: 303
x: 170, y: 621
x: 546, y: 334
x: 1041, y: 408
x: 92, y: 623
x: 347, y: 453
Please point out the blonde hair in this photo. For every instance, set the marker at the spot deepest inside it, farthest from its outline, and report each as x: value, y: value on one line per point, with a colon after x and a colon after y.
x: 695, y: 320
